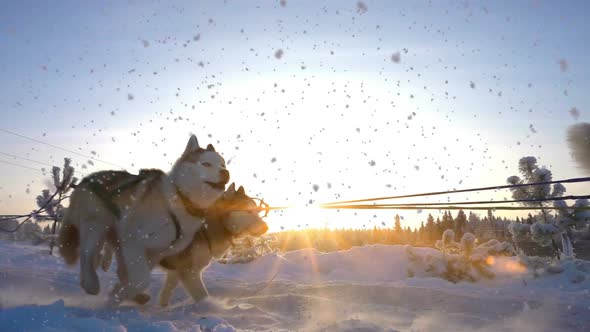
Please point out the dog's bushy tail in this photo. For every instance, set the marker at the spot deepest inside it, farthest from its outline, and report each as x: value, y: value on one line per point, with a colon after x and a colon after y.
x: 69, y: 242
x: 69, y: 237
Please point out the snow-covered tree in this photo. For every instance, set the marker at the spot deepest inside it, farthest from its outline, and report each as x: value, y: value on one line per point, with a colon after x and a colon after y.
x: 572, y: 222
x: 50, y: 203
x: 543, y: 231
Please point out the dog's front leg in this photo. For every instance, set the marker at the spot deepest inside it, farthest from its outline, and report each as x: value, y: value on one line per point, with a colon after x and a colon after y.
x: 168, y: 288
x: 192, y: 281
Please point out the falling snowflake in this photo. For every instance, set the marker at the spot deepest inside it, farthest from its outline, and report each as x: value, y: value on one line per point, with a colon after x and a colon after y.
x: 315, y: 188
x: 279, y: 54
x: 395, y: 57
x: 563, y: 65
x: 532, y: 128
x: 574, y: 113
x: 361, y: 8
x: 145, y: 43
x: 130, y: 96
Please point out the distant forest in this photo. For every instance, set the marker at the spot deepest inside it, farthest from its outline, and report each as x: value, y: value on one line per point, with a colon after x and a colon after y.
x: 430, y: 230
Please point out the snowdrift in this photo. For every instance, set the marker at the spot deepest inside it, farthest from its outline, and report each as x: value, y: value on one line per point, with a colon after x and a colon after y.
x: 373, y: 288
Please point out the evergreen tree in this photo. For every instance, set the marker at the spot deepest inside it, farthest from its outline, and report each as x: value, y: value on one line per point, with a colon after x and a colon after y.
x: 421, y: 236
x: 448, y: 221
x: 532, y: 173
x: 460, y: 224
x: 431, y: 231
x: 398, y: 231
x: 530, y: 219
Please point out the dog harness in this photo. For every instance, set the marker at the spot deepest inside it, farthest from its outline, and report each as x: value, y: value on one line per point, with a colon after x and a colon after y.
x: 107, y: 195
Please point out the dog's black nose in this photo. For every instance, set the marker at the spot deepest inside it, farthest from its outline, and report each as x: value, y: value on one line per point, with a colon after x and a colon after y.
x: 224, y: 176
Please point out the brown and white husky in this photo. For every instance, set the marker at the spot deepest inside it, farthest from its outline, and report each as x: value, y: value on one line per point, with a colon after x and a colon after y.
x: 233, y: 215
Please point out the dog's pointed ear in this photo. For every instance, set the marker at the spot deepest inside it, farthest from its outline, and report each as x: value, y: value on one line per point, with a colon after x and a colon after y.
x: 241, y: 191
x: 210, y: 148
x: 192, y: 145
x: 231, y: 189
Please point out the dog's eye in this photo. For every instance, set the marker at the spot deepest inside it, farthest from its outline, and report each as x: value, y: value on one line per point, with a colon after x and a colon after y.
x: 206, y: 164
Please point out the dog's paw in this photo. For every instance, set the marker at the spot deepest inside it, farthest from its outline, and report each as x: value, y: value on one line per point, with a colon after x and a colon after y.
x: 163, y: 302
x: 142, y: 298
x: 90, y: 285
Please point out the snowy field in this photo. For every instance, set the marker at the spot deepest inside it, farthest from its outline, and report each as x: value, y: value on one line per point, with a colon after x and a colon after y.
x: 362, y: 289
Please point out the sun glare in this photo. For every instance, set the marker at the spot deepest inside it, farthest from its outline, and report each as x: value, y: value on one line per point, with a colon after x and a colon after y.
x: 297, y: 217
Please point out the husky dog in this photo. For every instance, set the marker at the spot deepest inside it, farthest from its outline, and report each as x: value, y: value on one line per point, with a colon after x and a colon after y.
x: 233, y: 215
x: 146, y: 217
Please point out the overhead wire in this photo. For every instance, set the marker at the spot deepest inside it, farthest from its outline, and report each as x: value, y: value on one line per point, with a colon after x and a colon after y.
x: 60, y: 148
x: 34, y: 161
x: 573, y: 180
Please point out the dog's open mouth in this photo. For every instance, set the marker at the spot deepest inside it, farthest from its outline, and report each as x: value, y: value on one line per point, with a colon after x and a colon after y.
x: 217, y: 185
x: 258, y: 229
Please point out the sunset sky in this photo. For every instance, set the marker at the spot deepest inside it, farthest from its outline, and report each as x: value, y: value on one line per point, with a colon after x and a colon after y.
x: 309, y: 101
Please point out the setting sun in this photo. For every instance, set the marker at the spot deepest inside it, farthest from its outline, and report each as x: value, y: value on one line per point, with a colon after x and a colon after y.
x: 366, y: 165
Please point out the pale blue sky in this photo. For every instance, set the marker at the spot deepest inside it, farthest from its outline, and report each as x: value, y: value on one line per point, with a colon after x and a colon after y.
x: 67, y: 70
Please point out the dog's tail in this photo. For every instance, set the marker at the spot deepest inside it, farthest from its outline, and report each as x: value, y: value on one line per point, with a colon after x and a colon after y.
x: 69, y: 242
x: 69, y: 236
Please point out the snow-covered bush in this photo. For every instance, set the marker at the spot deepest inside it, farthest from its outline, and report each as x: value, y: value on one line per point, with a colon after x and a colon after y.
x: 467, y: 244
x: 27, y: 231
x: 574, y: 270
x: 248, y: 248
x: 494, y: 247
x: 447, y: 243
x: 463, y: 261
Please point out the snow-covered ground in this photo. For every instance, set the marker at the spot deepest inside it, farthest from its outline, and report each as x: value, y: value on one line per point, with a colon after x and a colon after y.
x: 362, y: 289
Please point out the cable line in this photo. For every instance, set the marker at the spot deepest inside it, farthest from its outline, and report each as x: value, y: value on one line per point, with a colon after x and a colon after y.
x: 60, y: 148
x: 574, y: 180
x: 391, y: 207
x: 23, y: 166
x: 539, y: 200
x: 35, y: 161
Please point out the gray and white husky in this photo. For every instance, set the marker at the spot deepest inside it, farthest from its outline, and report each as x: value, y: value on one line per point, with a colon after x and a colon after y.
x: 146, y: 217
